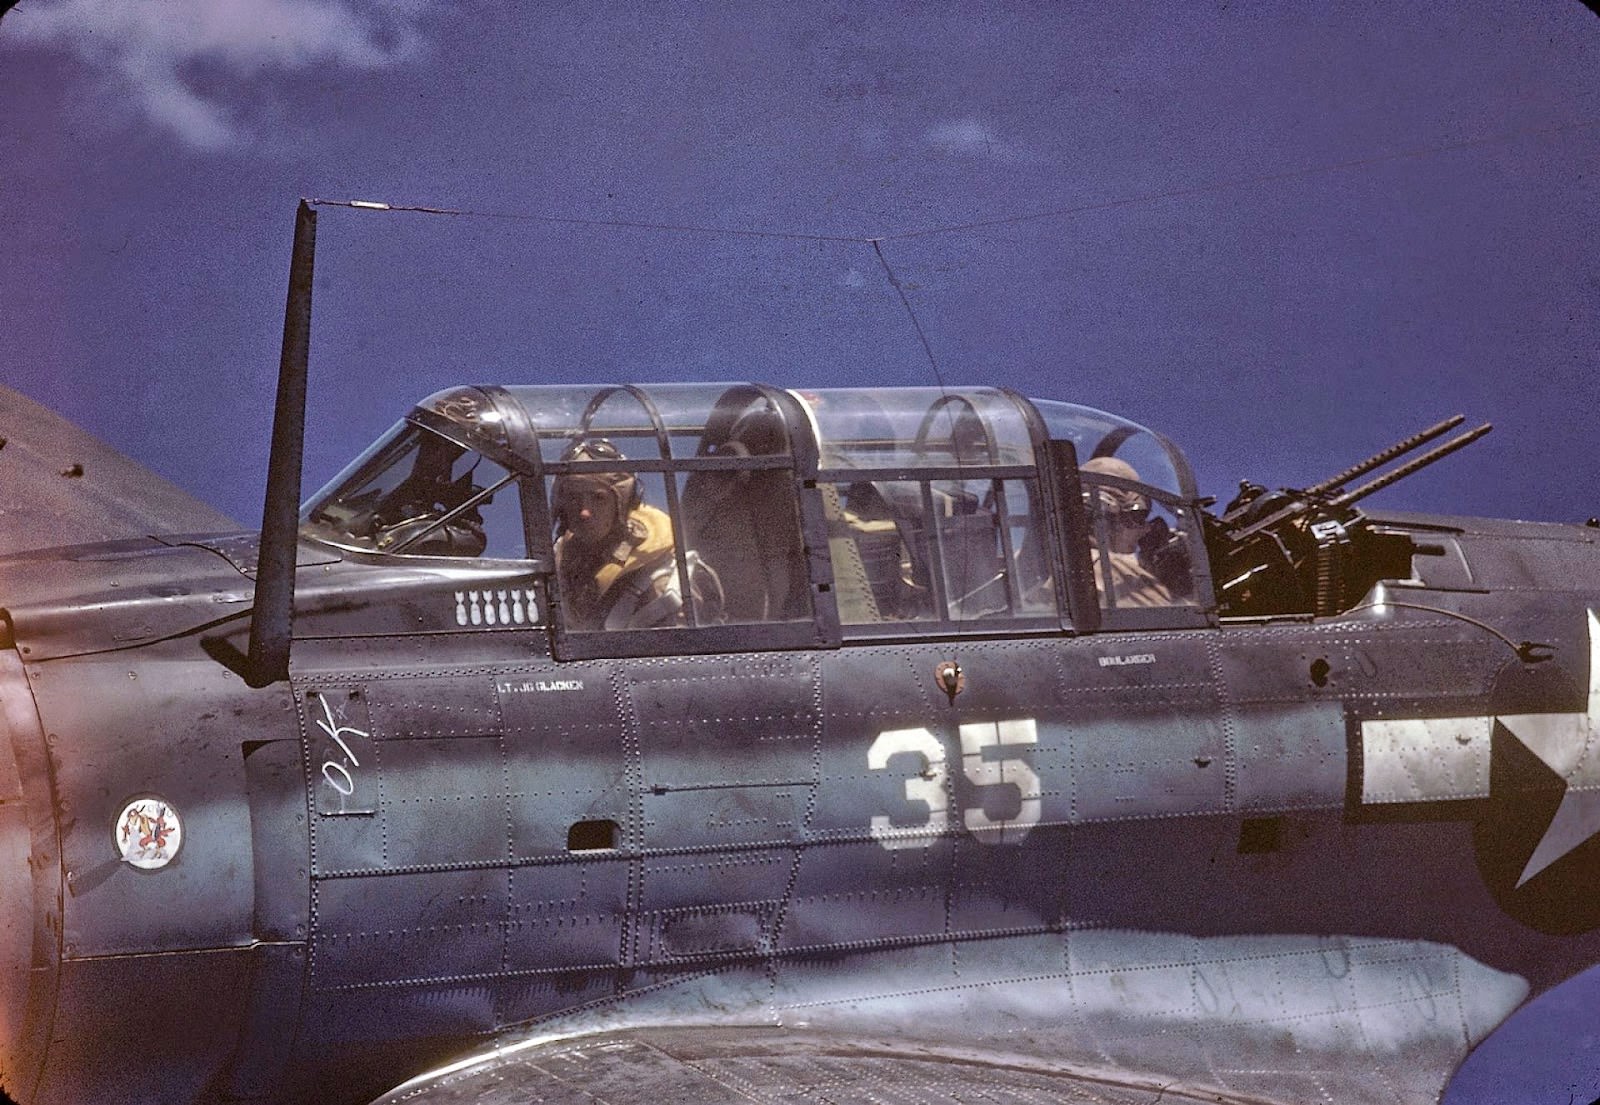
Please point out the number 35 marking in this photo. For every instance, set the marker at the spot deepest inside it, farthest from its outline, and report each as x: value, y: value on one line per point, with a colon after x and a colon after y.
x: 928, y: 787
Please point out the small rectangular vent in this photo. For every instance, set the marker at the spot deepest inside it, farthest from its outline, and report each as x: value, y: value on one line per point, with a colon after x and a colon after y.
x: 593, y: 836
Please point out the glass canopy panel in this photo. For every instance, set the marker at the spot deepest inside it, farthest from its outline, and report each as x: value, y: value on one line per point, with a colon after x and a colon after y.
x: 347, y: 507
x: 623, y: 418
x: 1096, y: 433
x: 691, y: 485
x: 908, y: 428
x: 477, y: 420
x: 421, y: 494
x: 697, y: 420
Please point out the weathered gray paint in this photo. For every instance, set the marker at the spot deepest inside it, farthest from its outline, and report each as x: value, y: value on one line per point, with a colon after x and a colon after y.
x: 1214, y: 891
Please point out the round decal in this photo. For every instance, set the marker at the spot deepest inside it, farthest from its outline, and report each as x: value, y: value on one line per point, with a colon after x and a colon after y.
x: 148, y: 833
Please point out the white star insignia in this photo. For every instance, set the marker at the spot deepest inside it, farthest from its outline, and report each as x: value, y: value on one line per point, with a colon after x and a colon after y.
x: 1409, y: 760
x: 1568, y: 746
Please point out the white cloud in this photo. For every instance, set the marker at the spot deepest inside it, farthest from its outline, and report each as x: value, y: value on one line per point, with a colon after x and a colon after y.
x: 968, y: 138
x: 144, y: 46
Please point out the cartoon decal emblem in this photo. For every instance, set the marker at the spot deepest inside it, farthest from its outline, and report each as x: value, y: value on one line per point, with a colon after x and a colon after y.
x: 148, y: 833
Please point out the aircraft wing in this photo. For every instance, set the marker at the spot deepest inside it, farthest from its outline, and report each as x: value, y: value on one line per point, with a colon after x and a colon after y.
x: 742, y: 1065
x: 60, y: 485
x: 1099, y: 1017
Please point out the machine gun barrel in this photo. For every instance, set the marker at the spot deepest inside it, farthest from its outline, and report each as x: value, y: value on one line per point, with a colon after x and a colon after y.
x: 1378, y: 460
x: 1415, y: 465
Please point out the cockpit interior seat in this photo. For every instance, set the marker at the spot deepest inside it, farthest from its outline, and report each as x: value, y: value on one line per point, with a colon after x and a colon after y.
x: 961, y: 535
x: 852, y: 582
x: 743, y: 524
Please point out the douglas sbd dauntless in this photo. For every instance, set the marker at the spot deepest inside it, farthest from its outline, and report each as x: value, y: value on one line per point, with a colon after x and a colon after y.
x: 729, y: 743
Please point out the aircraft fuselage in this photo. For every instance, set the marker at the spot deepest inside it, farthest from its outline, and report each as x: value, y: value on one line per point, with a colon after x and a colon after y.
x: 437, y: 832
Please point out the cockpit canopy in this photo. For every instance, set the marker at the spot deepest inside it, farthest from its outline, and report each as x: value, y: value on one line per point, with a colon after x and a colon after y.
x: 937, y: 507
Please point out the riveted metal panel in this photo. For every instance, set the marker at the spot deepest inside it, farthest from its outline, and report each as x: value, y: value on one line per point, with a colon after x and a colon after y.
x: 434, y: 706
x: 271, y: 1020
x: 869, y: 692
x: 1373, y: 663
x: 1141, y: 670
x: 169, y: 1042
x: 538, y: 996
x: 1425, y: 759
x: 1143, y: 734
x: 122, y: 594
x: 889, y: 686
x: 1148, y: 763
x: 1456, y: 661
x: 565, y: 915
x: 418, y: 926
x: 1000, y: 679
x: 708, y: 932
x: 854, y: 795
x: 724, y: 721
x: 365, y: 598
x: 1291, y: 756
x: 349, y: 843
x: 434, y: 653
x: 422, y: 757
x: 567, y: 759
x: 343, y: 761
x: 366, y: 1039
x: 1529, y: 558
x: 747, y: 875
x: 1008, y: 886
x: 445, y: 801
x: 712, y: 816
x: 860, y: 892
x: 30, y: 893
x: 729, y: 754
x: 164, y: 722
x: 279, y: 837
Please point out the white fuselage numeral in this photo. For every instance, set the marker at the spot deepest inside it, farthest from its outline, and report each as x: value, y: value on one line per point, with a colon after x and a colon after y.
x: 928, y: 786
x: 1000, y: 772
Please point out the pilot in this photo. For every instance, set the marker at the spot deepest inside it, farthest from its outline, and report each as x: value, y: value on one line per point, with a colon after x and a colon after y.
x: 1127, y: 526
x: 614, y: 553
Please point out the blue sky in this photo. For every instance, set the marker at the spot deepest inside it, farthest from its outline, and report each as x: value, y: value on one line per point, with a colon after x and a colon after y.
x: 1283, y: 240
x: 1284, y: 235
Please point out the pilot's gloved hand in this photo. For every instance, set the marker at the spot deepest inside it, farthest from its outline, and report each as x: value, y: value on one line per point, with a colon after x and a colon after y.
x: 1156, y: 536
x: 1165, y: 555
